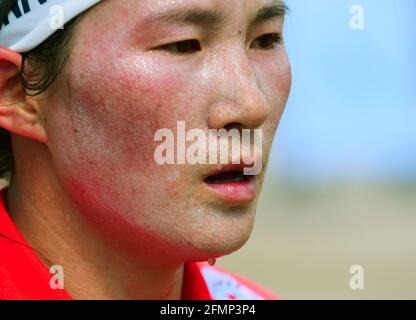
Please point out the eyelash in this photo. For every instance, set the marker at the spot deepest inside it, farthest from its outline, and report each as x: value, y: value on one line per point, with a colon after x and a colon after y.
x: 192, y: 46
x: 273, y: 38
x: 182, y: 47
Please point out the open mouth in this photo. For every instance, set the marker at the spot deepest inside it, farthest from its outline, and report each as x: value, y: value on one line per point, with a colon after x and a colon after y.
x: 227, y: 177
x: 232, y: 186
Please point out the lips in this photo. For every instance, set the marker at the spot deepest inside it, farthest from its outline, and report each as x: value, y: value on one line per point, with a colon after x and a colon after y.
x: 229, y: 184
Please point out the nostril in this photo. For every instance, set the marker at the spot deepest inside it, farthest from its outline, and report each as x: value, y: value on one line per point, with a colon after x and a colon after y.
x: 234, y: 125
x: 247, y: 113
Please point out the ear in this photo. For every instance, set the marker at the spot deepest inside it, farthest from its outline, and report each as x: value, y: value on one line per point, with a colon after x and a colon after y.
x: 19, y: 114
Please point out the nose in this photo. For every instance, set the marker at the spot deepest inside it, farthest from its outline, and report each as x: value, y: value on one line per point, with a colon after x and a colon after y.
x: 239, y: 100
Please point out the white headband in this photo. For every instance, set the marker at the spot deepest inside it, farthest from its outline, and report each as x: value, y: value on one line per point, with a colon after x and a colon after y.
x: 30, y: 22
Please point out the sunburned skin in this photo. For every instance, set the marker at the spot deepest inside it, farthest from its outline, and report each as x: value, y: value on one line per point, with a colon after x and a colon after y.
x: 121, y: 86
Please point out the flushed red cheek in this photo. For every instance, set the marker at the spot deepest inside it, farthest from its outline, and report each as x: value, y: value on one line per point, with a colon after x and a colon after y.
x: 275, y: 83
x: 130, y: 104
x: 279, y: 80
x: 283, y: 76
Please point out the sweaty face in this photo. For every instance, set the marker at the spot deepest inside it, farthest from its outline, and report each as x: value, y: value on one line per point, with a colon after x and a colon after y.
x: 139, y: 66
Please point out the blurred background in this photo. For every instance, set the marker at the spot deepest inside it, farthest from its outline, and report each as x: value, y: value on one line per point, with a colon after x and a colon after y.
x: 341, y: 183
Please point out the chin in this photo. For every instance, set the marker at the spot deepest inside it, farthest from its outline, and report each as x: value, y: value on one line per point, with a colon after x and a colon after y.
x: 220, y: 242
x: 216, y: 251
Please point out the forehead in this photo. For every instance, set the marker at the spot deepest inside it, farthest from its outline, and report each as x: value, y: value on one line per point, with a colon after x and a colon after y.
x: 175, y: 11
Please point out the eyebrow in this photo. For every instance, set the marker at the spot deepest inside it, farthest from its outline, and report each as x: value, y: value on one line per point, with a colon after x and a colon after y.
x: 200, y: 16
x: 277, y: 9
x: 194, y: 16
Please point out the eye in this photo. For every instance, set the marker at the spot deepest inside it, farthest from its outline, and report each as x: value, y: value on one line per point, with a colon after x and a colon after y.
x: 267, y: 42
x: 182, y: 47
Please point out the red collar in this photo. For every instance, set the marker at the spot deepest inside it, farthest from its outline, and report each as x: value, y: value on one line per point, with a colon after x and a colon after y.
x: 23, y: 276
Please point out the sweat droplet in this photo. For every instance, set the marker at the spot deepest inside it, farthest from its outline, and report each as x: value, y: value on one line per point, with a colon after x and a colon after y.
x: 212, y: 261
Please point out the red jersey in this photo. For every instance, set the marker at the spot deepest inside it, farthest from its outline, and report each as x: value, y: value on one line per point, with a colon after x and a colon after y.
x: 23, y: 276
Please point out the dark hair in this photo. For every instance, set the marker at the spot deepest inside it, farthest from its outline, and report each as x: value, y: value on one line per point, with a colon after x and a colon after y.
x: 40, y: 67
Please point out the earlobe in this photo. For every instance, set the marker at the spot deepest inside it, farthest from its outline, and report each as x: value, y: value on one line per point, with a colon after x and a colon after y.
x: 18, y: 114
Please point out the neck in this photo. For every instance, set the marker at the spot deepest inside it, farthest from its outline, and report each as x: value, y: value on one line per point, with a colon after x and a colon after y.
x: 92, y: 268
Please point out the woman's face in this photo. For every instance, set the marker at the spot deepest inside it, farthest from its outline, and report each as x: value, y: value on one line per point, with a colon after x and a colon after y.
x: 128, y: 77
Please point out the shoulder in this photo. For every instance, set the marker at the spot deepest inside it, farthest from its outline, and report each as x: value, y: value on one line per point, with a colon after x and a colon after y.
x: 225, y: 285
